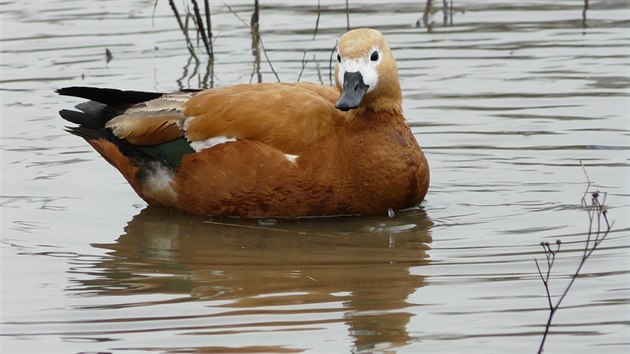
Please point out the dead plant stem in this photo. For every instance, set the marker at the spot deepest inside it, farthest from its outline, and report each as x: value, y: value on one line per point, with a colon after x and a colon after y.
x: 598, y: 229
x: 184, y: 29
x: 255, y: 33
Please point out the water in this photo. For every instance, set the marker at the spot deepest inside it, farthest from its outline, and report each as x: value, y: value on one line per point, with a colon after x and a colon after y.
x: 505, y: 101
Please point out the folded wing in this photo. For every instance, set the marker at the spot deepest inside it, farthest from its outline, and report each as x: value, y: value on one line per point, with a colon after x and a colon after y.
x: 288, y: 117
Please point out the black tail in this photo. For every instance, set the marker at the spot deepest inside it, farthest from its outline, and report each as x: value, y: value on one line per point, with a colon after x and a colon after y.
x: 108, y: 96
x: 107, y: 103
x: 104, y: 104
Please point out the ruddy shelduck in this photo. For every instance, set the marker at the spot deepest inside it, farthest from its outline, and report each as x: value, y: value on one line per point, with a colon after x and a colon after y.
x: 268, y: 149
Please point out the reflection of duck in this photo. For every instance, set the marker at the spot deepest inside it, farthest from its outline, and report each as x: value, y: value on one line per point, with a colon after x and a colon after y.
x: 274, y: 149
x: 349, y: 270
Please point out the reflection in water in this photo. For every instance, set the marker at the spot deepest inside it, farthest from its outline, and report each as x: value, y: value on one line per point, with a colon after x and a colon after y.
x: 426, y: 19
x: 584, y: 10
x: 359, y: 265
x: 207, y: 42
x: 205, y: 82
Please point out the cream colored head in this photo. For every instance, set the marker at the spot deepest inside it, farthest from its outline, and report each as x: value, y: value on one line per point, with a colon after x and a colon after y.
x: 366, y: 73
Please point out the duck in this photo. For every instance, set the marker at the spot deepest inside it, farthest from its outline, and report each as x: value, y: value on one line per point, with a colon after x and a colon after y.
x: 289, y: 150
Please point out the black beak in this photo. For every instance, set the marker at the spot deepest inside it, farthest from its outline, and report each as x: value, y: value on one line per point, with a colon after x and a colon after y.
x: 354, y: 89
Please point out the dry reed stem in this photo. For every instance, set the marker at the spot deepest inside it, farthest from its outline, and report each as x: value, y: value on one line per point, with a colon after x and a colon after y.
x: 201, y: 28
x: 304, y: 61
x: 598, y: 229
x: 255, y: 33
x: 184, y: 29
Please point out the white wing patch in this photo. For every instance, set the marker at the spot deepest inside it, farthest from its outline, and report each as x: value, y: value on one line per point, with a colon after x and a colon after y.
x: 291, y: 158
x: 210, y: 142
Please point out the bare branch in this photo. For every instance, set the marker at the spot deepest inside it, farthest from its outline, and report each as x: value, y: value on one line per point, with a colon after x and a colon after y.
x: 254, y: 30
x: 184, y: 28
x: 237, y: 15
x: 262, y: 45
x: 596, y: 210
x: 588, y: 180
x: 545, y: 281
x: 304, y: 61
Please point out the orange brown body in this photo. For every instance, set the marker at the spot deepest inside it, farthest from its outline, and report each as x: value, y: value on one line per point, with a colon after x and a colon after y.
x: 281, y: 149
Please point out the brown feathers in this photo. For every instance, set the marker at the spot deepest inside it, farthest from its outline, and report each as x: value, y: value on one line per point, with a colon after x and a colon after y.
x: 277, y: 149
x: 147, y: 128
x: 289, y: 117
x: 152, y: 122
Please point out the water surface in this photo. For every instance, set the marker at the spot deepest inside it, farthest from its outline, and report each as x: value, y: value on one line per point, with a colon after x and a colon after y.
x: 504, y: 99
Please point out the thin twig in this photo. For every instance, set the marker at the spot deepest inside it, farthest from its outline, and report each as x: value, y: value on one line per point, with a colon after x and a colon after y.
x: 319, y: 72
x: 588, y: 185
x: 237, y: 15
x: 544, y: 280
x: 191, y: 48
x: 596, y: 212
x: 304, y: 61
x: 262, y: 45
x: 255, y: 33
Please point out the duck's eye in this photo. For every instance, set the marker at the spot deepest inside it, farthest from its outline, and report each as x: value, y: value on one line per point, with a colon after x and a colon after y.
x: 374, y: 56
x: 339, y: 58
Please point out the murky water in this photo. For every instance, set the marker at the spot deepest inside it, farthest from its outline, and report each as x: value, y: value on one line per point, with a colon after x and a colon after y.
x: 504, y: 99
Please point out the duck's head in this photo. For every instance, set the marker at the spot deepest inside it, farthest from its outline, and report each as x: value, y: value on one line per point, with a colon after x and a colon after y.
x: 366, y: 72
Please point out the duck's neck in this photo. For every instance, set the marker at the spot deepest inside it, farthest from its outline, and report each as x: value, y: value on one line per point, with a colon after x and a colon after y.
x: 376, y: 111
x: 384, y: 107
x: 386, y: 99
x: 364, y: 118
